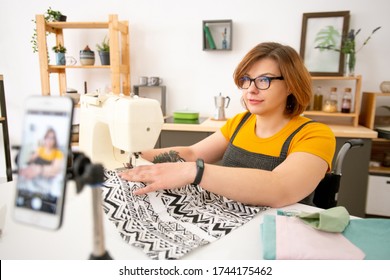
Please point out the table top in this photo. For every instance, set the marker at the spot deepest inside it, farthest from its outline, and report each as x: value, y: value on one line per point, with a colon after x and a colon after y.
x: 210, y: 125
x: 73, y: 241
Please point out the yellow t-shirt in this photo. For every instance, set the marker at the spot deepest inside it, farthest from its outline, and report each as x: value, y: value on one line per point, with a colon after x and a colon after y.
x: 54, y: 154
x: 315, y: 138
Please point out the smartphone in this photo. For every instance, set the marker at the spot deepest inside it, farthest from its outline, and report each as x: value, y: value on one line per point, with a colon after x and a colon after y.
x: 42, y: 161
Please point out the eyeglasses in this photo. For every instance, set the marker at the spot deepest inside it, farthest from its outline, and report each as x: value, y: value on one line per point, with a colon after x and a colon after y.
x: 261, y: 82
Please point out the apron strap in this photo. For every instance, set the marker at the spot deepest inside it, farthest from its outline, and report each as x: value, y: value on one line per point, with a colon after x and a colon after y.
x: 286, y: 145
x: 243, y: 120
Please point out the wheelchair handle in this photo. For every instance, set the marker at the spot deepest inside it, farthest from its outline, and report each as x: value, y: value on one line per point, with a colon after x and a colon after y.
x: 351, y: 143
x: 355, y: 142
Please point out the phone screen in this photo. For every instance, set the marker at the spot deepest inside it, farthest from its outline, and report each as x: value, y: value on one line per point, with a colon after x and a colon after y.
x: 42, y: 161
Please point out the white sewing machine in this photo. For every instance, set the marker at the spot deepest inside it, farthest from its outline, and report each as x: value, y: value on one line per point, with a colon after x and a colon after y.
x: 115, y: 128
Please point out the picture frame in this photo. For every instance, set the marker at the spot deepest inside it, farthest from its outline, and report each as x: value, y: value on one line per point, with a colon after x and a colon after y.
x: 331, y: 28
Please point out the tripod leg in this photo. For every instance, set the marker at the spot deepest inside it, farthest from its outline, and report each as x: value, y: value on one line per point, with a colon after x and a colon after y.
x: 99, y: 250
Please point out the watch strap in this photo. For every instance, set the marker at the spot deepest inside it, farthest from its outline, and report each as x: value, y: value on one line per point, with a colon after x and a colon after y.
x: 199, y: 171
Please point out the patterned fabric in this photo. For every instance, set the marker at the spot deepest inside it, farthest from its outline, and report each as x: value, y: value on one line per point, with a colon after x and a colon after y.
x: 169, y: 224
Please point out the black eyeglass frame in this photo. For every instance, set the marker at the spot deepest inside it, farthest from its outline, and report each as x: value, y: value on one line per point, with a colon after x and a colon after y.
x: 263, y: 77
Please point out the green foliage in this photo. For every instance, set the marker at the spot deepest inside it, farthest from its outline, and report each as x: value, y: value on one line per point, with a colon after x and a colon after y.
x: 50, y: 15
x: 326, y: 39
x: 104, y: 46
x: 59, y: 49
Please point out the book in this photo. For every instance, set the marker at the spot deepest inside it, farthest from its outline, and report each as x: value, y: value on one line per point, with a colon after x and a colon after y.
x: 209, y: 37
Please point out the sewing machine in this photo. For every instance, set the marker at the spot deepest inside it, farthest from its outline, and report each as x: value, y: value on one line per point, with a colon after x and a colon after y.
x: 114, y: 129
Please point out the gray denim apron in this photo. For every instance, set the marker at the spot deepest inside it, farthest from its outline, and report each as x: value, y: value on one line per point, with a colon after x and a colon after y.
x: 238, y: 157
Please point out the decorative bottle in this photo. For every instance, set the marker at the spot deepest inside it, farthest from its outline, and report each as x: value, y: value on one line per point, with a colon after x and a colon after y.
x: 347, y: 101
x: 317, y: 104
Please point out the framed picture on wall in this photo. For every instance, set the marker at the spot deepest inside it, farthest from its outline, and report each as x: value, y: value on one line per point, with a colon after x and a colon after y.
x: 324, y: 29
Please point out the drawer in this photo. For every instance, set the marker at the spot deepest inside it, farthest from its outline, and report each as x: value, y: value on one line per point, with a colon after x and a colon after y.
x: 378, y: 195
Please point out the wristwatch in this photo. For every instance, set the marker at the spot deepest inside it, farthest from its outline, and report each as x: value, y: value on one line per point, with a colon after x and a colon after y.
x: 199, y: 171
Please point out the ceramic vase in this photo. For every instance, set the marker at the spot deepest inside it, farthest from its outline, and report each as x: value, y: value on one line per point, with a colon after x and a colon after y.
x: 87, y: 57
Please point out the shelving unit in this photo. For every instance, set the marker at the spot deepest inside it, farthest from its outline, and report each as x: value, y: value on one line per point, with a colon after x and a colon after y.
x: 369, y: 105
x: 350, y: 118
x: 369, y: 117
x: 118, y: 32
x: 4, y: 130
x: 216, y: 30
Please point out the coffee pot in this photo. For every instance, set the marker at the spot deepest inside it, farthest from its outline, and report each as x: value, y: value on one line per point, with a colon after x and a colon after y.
x: 221, y: 102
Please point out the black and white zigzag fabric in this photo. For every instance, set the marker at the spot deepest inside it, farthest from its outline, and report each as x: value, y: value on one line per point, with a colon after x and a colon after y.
x: 170, y: 223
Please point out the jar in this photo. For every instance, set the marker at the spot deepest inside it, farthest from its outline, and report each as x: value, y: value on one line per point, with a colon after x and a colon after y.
x: 330, y: 104
x: 317, y: 104
x: 347, y: 101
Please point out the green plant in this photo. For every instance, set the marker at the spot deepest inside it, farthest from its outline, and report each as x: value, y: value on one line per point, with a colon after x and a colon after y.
x: 50, y: 15
x: 59, y: 49
x: 104, y: 46
x: 348, y: 45
x: 326, y: 40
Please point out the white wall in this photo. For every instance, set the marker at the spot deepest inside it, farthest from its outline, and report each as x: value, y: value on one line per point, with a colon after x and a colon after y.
x: 166, y: 41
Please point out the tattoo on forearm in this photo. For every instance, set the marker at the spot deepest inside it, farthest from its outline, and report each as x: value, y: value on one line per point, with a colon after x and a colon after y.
x: 171, y: 156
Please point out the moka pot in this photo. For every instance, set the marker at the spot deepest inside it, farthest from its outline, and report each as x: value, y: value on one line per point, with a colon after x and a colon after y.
x: 221, y: 102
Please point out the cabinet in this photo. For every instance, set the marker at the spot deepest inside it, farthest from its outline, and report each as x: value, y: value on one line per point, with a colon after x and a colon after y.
x: 340, y: 82
x: 378, y: 191
x: 371, y: 118
x: 217, y: 34
x: 4, y: 132
x: 118, y: 34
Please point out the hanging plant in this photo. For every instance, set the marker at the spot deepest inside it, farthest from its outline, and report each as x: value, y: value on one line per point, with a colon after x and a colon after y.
x: 50, y: 15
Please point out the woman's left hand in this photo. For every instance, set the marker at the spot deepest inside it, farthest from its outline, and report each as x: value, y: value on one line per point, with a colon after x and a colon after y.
x: 160, y: 176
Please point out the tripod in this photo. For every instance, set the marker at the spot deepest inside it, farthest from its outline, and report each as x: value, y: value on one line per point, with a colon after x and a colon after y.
x: 83, y: 172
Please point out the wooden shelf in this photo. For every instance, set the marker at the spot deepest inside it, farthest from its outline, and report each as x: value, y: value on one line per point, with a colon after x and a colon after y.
x: 53, y: 26
x: 118, y: 32
x: 216, y: 29
x: 379, y: 170
x: 346, y: 118
x: 338, y: 114
x: 368, y: 111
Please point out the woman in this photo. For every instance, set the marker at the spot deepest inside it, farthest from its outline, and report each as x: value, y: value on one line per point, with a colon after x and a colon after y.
x: 271, y: 155
x: 47, y: 160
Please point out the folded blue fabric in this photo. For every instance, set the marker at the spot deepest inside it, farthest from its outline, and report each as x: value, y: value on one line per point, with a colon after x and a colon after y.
x: 268, y: 234
x: 371, y: 235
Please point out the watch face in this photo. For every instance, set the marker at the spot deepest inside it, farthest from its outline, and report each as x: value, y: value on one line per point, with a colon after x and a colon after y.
x: 200, y: 163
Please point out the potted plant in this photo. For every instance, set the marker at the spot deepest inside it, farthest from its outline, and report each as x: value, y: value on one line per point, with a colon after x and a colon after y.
x: 104, y: 51
x: 348, y: 46
x: 60, y: 51
x: 50, y: 16
x: 53, y: 15
x: 87, y: 56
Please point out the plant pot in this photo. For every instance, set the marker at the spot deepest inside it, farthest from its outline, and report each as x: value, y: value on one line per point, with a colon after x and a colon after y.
x: 60, y: 58
x: 104, y: 58
x: 87, y: 57
x: 62, y: 18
